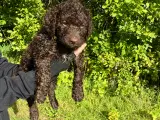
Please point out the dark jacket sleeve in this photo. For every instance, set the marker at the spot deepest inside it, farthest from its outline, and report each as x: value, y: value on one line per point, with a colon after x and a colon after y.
x: 4, y: 115
x: 12, y: 88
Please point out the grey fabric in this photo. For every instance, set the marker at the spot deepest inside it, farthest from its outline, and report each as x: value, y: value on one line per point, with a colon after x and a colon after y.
x: 4, y: 115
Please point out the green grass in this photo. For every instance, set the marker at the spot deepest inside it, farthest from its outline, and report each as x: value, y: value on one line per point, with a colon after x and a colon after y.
x: 93, y: 107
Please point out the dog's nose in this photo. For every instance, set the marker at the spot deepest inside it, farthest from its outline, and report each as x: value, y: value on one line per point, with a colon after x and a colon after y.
x: 74, y: 39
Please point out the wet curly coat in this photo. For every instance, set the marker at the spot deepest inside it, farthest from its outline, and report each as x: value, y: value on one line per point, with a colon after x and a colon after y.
x: 65, y: 28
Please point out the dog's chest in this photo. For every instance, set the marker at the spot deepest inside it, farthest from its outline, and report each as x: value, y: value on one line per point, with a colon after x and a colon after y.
x: 62, y: 52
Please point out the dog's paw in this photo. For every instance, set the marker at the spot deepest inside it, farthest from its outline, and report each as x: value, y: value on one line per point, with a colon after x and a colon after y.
x: 35, y: 117
x: 34, y: 114
x: 77, y: 94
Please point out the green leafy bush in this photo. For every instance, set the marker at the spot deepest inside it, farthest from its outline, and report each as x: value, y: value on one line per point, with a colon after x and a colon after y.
x: 123, y: 50
x: 19, y: 21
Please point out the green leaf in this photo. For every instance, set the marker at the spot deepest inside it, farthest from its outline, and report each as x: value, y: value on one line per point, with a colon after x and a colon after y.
x: 128, y: 1
x: 147, y: 5
x: 2, y: 22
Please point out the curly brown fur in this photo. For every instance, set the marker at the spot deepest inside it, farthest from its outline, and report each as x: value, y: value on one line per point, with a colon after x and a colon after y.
x: 66, y: 27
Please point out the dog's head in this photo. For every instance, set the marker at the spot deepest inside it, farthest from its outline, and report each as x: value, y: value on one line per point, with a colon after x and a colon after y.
x: 71, y: 23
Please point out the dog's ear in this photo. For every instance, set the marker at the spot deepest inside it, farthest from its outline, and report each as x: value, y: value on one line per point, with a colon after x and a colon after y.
x: 89, y: 30
x: 50, y: 20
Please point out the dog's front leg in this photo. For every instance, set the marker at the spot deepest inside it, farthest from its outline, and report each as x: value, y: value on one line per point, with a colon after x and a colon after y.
x: 43, y: 77
x: 51, y: 93
x: 77, y: 90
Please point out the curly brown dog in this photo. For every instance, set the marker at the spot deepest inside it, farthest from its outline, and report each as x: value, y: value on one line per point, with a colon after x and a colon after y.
x: 66, y: 27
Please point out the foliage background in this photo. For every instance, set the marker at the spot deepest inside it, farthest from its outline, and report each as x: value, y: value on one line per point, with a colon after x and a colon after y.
x: 122, y: 57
